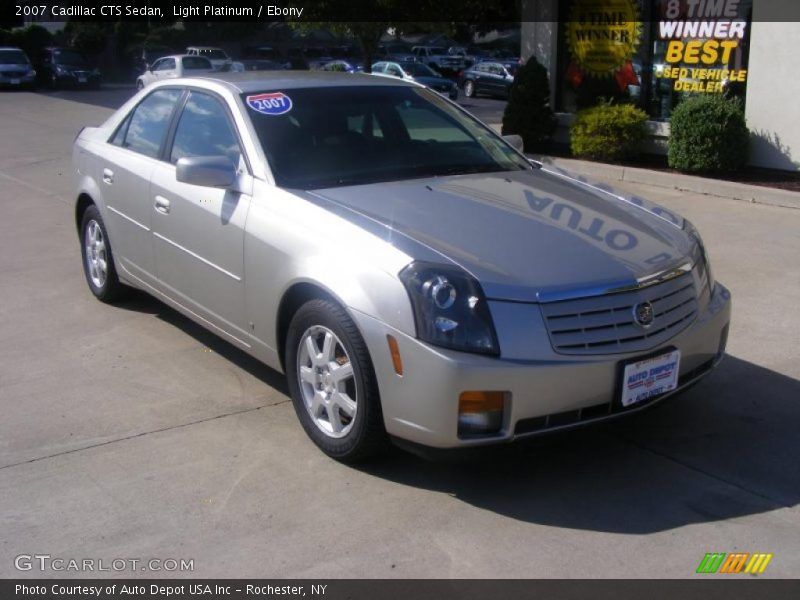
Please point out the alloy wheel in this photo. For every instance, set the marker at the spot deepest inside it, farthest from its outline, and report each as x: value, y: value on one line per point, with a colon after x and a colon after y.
x: 327, y: 381
x: 96, y: 254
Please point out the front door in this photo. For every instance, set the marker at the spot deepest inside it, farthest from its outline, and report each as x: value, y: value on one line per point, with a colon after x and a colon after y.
x: 198, y: 231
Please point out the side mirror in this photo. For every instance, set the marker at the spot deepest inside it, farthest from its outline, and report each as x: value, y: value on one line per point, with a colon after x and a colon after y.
x: 516, y: 141
x: 208, y: 171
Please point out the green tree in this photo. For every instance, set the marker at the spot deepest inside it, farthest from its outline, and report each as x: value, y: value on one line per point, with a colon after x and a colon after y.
x: 528, y: 111
x: 87, y: 37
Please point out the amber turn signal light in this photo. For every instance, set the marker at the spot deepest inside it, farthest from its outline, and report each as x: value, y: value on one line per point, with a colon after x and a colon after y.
x: 395, y: 352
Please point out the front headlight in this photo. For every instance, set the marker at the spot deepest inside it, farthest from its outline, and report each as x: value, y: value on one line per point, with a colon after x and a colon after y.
x: 702, y: 255
x: 450, y: 309
x: 61, y: 70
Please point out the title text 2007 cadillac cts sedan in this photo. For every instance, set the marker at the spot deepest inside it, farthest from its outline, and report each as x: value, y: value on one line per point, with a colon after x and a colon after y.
x: 414, y: 275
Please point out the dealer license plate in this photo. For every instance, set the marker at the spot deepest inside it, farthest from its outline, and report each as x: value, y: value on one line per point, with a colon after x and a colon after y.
x: 81, y: 79
x: 649, y: 377
x: 15, y: 82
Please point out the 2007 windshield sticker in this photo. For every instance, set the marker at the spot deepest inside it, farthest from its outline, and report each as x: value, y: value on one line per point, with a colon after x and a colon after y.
x: 273, y: 103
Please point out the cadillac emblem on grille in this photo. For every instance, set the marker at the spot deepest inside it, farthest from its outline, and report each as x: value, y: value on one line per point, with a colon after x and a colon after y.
x: 643, y: 314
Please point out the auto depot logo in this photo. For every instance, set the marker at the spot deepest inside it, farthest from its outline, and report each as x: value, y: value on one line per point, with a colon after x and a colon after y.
x: 734, y: 562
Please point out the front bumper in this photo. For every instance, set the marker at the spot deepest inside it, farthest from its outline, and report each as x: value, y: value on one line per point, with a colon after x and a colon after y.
x: 546, y: 391
x: 17, y: 80
x: 78, y: 80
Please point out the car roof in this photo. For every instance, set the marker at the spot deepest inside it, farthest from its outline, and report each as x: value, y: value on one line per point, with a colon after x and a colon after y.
x: 10, y: 48
x: 255, y: 81
x: 204, y: 47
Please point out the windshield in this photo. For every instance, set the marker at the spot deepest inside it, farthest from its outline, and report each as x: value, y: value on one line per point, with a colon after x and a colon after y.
x: 419, y: 70
x: 398, y: 49
x: 69, y: 57
x: 13, y: 57
x: 437, y: 50
x: 353, y: 135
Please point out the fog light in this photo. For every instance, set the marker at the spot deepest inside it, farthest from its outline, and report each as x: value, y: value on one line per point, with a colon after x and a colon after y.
x: 480, y: 412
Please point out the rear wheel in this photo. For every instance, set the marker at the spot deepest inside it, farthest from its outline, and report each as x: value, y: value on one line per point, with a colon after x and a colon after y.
x: 98, y: 262
x: 469, y: 88
x: 332, y: 382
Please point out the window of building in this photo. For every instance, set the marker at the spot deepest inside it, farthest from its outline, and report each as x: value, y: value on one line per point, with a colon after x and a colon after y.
x: 651, y: 53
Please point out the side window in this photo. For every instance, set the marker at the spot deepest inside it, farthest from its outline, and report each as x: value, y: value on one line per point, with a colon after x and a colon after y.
x: 204, y: 129
x: 119, y: 136
x: 149, y: 122
x: 165, y: 64
x: 378, y: 67
x: 192, y: 63
x: 157, y: 65
x: 394, y: 71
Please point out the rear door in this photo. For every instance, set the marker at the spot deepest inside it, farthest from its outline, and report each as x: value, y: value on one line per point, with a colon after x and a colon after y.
x: 199, y: 231
x: 125, y: 166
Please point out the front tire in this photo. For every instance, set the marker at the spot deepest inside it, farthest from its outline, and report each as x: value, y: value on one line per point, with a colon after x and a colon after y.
x: 333, y: 384
x: 98, y: 261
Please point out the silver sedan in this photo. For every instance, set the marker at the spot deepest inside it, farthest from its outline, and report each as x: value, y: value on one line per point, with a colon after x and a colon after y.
x: 413, y: 274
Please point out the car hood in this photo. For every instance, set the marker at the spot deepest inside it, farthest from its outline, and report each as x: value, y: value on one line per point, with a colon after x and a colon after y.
x: 526, y: 235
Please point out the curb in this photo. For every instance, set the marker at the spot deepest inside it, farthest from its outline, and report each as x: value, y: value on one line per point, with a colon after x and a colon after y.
x: 744, y: 192
x: 688, y: 183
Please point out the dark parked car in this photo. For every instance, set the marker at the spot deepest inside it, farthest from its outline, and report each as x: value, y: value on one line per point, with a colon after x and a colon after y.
x: 16, y: 70
x: 62, y: 67
x: 489, y: 78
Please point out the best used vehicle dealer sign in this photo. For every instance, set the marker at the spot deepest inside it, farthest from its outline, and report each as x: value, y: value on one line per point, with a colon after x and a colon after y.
x: 703, y: 35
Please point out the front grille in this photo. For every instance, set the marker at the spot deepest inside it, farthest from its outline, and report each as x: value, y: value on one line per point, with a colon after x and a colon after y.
x: 606, y: 325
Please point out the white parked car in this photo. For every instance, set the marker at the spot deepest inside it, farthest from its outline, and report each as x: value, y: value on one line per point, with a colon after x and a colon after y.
x: 170, y: 67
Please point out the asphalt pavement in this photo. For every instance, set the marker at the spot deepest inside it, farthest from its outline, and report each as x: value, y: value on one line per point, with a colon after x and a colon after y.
x: 130, y: 432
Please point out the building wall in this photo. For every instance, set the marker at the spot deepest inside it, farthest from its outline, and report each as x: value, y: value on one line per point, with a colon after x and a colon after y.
x: 773, y: 93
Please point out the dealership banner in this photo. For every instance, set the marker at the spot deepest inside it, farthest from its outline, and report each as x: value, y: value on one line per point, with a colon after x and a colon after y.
x: 397, y: 589
x: 704, y: 44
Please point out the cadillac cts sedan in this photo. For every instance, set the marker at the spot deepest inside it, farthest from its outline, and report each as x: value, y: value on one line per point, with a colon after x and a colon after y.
x: 415, y: 277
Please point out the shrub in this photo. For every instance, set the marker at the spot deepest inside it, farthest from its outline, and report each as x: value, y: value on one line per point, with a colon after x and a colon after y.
x: 608, y: 132
x: 528, y: 111
x: 708, y: 134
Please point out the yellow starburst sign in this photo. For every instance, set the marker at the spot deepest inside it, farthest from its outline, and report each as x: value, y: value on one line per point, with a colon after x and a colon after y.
x: 603, y: 35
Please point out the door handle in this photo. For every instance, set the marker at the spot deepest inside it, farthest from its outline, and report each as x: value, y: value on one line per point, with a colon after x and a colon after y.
x: 162, y: 205
x: 108, y: 176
